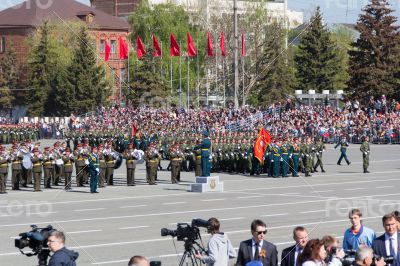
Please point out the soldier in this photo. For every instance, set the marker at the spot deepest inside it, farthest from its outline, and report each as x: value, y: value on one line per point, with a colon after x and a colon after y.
x: 319, y: 149
x: 68, y: 160
x: 26, y: 172
x: 276, y: 161
x: 16, y: 167
x: 110, y: 163
x: 176, y: 157
x: 295, y: 153
x: 197, y: 157
x: 59, y: 167
x: 130, y: 158
x: 285, y: 158
x: 94, y: 169
x: 37, y: 168
x: 306, y: 156
x: 4, y: 160
x: 343, y: 149
x: 79, y: 165
x: 103, y: 166
x: 151, y: 157
x: 365, y: 153
x: 48, y: 167
x: 205, y: 154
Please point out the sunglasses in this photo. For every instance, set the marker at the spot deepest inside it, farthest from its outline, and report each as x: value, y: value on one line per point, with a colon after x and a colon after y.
x: 261, y: 232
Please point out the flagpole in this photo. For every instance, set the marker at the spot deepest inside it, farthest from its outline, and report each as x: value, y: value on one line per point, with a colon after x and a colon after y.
x: 243, y: 102
x: 180, y: 77
x: 161, y: 62
x: 171, y: 73
x: 207, y: 87
x: 198, y: 73
x: 223, y: 77
x: 216, y: 70
x: 188, y: 85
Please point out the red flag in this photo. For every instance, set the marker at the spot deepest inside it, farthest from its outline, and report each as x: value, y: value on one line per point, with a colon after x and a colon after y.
x: 262, y: 142
x: 141, y: 51
x: 209, y: 45
x: 191, y: 49
x: 133, y: 131
x: 157, y: 49
x: 222, y: 44
x: 107, y: 50
x: 174, y: 47
x: 243, y: 48
x: 123, y: 48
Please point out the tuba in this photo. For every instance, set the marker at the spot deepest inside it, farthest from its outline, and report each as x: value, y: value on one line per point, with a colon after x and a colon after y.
x: 26, y: 161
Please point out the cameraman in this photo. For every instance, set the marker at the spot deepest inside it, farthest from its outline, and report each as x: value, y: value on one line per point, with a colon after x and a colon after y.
x: 61, y: 256
x: 220, y: 249
x: 334, y: 253
x: 365, y: 257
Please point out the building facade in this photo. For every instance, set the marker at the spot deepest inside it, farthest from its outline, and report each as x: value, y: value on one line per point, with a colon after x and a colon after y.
x: 19, y: 22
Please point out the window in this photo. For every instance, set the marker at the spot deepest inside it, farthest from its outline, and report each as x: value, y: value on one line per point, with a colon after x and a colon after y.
x: 2, y: 44
x: 102, y: 46
x: 113, y: 46
x: 123, y: 73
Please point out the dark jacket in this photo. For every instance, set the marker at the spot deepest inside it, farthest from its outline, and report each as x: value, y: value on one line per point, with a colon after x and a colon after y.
x: 245, y: 253
x: 288, y: 255
x: 63, y: 257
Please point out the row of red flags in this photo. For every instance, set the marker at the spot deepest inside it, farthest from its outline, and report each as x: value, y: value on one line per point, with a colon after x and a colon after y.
x: 174, y: 47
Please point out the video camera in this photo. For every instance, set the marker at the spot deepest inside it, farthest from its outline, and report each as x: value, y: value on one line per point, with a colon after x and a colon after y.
x: 387, y: 260
x: 36, y: 240
x: 185, y: 231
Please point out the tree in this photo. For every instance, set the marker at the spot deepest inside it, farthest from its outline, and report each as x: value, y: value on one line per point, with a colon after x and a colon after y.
x: 316, y: 58
x: 9, y: 73
x: 275, y: 78
x: 374, y: 57
x: 88, y: 85
x: 40, y: 73
x: 148, y: 88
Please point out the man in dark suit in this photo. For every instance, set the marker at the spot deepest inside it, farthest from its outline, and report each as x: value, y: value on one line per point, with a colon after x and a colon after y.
x: 388, y: 244
x: 290, y: 254
x: 256, y: 248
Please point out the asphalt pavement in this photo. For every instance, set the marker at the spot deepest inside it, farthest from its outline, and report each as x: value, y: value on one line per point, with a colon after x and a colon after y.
x: 109, y: 227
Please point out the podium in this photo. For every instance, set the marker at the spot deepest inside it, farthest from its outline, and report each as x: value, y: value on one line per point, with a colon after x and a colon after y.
x: 207, y: 184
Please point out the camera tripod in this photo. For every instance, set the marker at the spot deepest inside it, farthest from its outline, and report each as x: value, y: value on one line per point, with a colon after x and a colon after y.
x: 189, y: 253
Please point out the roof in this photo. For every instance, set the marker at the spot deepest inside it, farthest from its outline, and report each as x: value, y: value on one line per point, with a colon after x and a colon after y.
x: 32, y: 13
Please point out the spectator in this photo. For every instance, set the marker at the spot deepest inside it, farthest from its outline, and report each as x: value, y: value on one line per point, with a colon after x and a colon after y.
x: 290, y: 254
x: 357, y: 234
x: 256, y: 248
x: 365, y: 257
x: 220, y: 249
x: 62, y: 256
x: 314, y: 254
x: 387, y: 244
x: 334, y: 253
x: 138, y: 261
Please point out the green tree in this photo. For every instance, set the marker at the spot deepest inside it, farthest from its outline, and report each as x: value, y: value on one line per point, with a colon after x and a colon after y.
x: 88, y: 85
x: 9, y: 73
x: 316, y: 58
x: 374, y: 57
x: 39, y: 73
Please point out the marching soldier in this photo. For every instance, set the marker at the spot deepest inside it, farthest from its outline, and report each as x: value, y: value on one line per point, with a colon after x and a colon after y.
x: 79, y: 165
x: 176, y: 161
x: 48, y: 167
x: 320, y: 148
x: 94, y: 169
x: 4, y: 160
x: 37, y: 168
x: 16, y: 168
x: 343, y: 149
x: 365, y: 153
x: 130, y: 158
x: 68, y: 159
x: 151, y: 157
x: 306, y: 156
x: 103, y: 167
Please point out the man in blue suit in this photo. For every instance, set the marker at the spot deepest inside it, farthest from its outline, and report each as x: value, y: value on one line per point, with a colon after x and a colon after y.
x: 290, y: 254
x: 388, y: 244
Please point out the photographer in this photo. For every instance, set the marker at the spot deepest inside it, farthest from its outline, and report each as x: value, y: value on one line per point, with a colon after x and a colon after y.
x: 334, y: 253
x: 220, y: 249
x: 62, y: 256
x: 365, y: 257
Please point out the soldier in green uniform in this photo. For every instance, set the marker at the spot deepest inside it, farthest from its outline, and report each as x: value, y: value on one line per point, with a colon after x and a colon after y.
x: 197, y: 156
x: 151, y: 158
x: 37, y: 169
x: 313, y: 153
x: 48, y: 167
x: 176, y: 157
x: 343, y: 149
x: 79, y: 165
x: 285, y: 158
x: 130, y: 158
x: 103, y: 166
x: 306, y: 156
x: 110, y: 163
x: 94, y: 169
x: 16, y: 167
x: 365, y: 153
x: 276, y: 161
x: 68, y: 160
x: 295, y: 153
x: 319, y: 149
x: 4, y: 160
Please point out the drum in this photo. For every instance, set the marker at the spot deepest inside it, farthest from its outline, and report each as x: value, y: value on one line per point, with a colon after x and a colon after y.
x: 26, y: 162
x: 59, y: 162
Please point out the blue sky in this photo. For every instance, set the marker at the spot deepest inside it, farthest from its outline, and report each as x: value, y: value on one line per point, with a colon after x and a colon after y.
x: 334, y: 11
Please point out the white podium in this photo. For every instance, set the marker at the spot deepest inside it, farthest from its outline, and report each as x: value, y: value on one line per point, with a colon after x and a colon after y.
x: 207, y: 184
